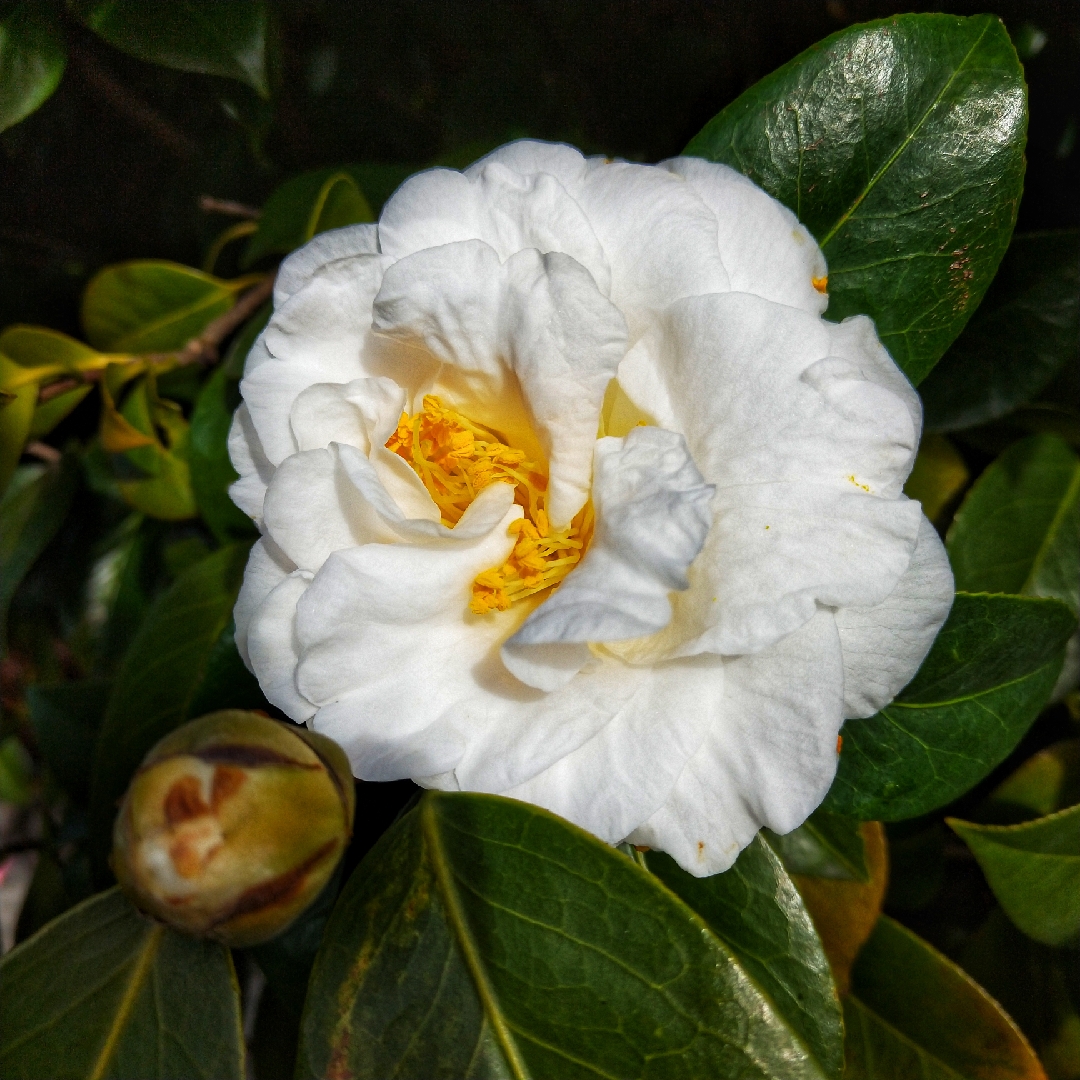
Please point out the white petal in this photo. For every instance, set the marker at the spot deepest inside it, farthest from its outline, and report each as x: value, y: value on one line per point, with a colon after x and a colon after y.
x: 624, y: 773
x: 526, y: 157
x: 884, y: 645
x: 273, y: 650
x: 652, y: 513
x: 765, y: 250
x: 322, y: 414
x: 298, y: 269
x: 506, y: 210
x: 768, y: 758
x: 267, y: 567
x: 537, y: 322
x: 248, y: 459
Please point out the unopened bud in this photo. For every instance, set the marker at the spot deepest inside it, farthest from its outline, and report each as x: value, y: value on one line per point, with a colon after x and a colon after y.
x: 232, y: 826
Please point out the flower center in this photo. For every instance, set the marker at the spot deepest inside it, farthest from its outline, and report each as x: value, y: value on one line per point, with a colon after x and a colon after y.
x: 456, y: 459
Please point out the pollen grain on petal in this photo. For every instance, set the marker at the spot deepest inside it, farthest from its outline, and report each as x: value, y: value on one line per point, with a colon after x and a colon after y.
x: 821, y: 284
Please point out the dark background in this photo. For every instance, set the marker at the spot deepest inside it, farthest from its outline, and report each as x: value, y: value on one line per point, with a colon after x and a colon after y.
x: 112, y: 165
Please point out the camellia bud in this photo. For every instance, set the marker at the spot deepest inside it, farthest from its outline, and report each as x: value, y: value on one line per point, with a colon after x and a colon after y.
x: 232, y: 826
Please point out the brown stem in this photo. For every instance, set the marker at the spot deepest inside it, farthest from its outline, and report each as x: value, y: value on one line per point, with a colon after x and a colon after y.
x: 47, y: 393
x: 209, y: 204
x: 43, y: 452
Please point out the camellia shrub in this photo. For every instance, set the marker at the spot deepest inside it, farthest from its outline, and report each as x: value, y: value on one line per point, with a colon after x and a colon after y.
x: 537, y: 624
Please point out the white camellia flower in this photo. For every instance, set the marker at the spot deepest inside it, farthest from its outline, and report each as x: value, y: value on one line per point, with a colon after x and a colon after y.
x: 568, y: 492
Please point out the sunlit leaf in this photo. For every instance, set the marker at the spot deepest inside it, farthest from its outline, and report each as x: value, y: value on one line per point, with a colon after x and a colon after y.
x: 47, y: 353
x: 1034, y: 871
x: 900, y: 145
x: 938, y: 477
x: 32, y: 60
x: 986, y: 678
x: 106, y: 992
x: 486, y: 937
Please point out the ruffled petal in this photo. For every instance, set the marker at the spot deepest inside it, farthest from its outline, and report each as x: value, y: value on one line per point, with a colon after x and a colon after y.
x: 884, y: 645
x: 273, y: 650
x: 652, y: 514
x: 765, y: 249
x: 267, y: 567
x: 299, y: 268
x: 249, y: 460
x: 768, y: 757
x: 536, y: 322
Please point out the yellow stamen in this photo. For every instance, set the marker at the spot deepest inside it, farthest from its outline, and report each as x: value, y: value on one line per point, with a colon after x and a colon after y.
x: 456, y: 459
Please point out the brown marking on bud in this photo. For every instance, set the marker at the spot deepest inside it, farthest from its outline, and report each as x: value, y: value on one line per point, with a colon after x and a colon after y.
x: 184, y: 801
x: 226, y: 783
x: 246, y: 756
x: 194, y: 845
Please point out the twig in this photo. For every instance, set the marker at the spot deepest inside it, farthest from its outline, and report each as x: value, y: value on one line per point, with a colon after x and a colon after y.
x: 210, y: 204
x: 43, y: 452
x: 47, y: 393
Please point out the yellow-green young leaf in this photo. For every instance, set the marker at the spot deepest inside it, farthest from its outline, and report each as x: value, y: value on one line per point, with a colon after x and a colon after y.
x: 151, y: 305
x: 913, y: 1013
x: 118, y: 433
x: 1034, y: 871
x: 938, y: 477
x: 167, y: 495
x: 16, y: 416
x: 104, y: 992
x: 1018, y: 530
x: 485, y: 937
x: 844, y: 912
x: 48, y: 353
x: 49, y: 413
x: 305, y: 205
x: 32, y: 60
x: 1048, y: 781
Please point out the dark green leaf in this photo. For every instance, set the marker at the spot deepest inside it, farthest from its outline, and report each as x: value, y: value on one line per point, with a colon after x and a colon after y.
x: 151, y: 305
x: 48, y: 414
x: 16, y: 772
x: 1018, y: 530
x: 938, y: 477
x: 242, y: 342
x: 988, y: 674
x: 914, y: 1013
x: 825, y: 845
x: 306, y: 205
x: 66, y: 718
x: 1048, y: 781
x: 755, y: 909
x: 487, y: 938
x: 32, y: 59
x: 106, y: 992
x: 900, y: 145
x: 226, y: 683
x: 16, y: 418
x: 158, y: 679
x: 32, y: 510
x: 208, y: 456
x: 204, y: 36
x: 46, y: 899
x: 1034, y: 871
x: 1025, y: 331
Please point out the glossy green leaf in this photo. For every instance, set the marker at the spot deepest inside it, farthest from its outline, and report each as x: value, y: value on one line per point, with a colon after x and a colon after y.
x: 305, y: 205
x: 49, y: 413
x: 913, y: 1013
x: 986, y: 678
x: 825, y: 845
x: 226, y: 682
x: 16, y: 418
x: 939, y: 475
x: 755, y: 909
x: 158, y: 679
x: 151, y: 305
x: 104, y: 992
x: 1018, y: 530
x: 241, y: 344
x: 1048, y: 781
x: 208, y: 455
x: 483, y: 937
x: 66, y: 718
x: 205, y: 36
x: 1034, y: 870
x: 31, y: 512
x: 32, y: 60
x: 1025, y: 331
x: 900, y: 145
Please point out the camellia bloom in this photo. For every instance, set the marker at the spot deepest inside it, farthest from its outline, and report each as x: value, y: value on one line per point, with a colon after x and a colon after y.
x: 568, y: 492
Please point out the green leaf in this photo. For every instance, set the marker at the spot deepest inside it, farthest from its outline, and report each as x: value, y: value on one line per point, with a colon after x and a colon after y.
x: 208, y: 455
x: 1048, y: 781
x: 204, y: 36
x: 104, y: 991
x: 1034, y: 871
x: 488, y: 938
x: 47, y: 351
x: 241, y: 344
x: 159, y: 678
x: 226, y: 682
x: 900, y: 145
x: 31, y: 512
x: 825, y: 845
x: 913, y: 1013
x: 151, y: 305
x: 49, y: 413
x: 1018, y: 530
x: 46, y: 899
x: 987, y: 676
x: 65, y: 718
x: 1025, y: 331
x: 305, y: 205
x: 755, y: 909
x: 16, y: 772
x: 16, y: 418
x: 938, y: 477
x: 32, y: 60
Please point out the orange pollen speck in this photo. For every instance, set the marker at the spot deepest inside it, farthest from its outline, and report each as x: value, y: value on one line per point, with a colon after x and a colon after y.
x: 821, y: 283
x: 456, y: 459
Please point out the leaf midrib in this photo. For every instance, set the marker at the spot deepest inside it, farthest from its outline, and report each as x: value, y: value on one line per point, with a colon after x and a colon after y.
x: 905, y: 143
